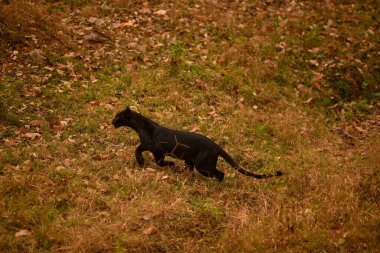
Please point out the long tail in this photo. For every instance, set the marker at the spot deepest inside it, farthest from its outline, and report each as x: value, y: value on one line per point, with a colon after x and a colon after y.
x: 229, y: 159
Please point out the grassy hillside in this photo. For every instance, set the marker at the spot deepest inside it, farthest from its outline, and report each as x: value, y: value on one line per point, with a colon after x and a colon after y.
x: 294, y: 85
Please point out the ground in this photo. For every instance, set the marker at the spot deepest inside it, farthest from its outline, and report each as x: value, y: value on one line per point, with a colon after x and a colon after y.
x: 293, y: 84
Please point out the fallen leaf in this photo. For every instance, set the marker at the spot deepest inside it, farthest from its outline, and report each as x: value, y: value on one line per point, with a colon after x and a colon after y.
x: 60, y: 168
x: 32, y: 135
x: 96, y: 37
x: 109, y: 107
x: 70, y: 54
x: 314, y: 62
x: 195, y: 128
x: 37, y: 55
x: 36, y: 123
x: 25, y: 168
x: 92, y: 104
x: 150, y: 230
x: 22, y: 232
x: 359, y: 129
x: 308, y: 101
x: 317, y: 77
x: 123, y: 24
x: 114, y: 99
x: 317, y: 85
x: 102, y: 156
x: 161, y: 12
x: 93, y: 78
x: 60, y: 72
x: 10, y: 143
x: 201, y: 18
x: 147, y: 217
x: 49, y: 68
x: 91, y: 20
x: 150, y: 169
x: 137, y: 47
x: 127, y: 157
x: 22, y: 130
x: 146, y: 10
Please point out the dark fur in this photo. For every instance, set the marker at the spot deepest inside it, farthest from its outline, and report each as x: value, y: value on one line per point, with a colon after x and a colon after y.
x: 196, y: 150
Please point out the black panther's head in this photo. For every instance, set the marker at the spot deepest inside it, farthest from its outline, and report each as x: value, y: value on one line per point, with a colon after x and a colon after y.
x: 122, y: 118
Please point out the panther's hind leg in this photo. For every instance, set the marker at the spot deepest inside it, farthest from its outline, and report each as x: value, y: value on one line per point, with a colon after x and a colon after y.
x: 189, y: 165
x: 207, y: 167
x: 159, y: 158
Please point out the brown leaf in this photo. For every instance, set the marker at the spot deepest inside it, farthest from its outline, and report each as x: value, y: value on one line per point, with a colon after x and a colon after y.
x: 308, y: 101
x: 147, y: 217
x: 22, y: 232
x: 123, y: 24
x: 36, y: 123
x: 95, y: 37
x: 137, y: 47
x: 60, y: 72
x: 59, y: 168
x: 22, y: 130
x: 201, y: 18
x: 114, y: 99
x: 10, y: 143
x: 161, y: 12
x: 37, y: 55
x: 91, y: 104
x: 107, y: 106
x: 359, y: 129
x: 72, y: 74
x: 317, y: 85
x: 314, y: 62
x: 146, y: 9
x: 317, y: 77
x: 93, y: 78
x: 127, y: 157
x: 32, y: 135
x: 59, y: 127
x: 150, y: 230
x: 102, y: 156
x: 24, y: 168
x: 195, y: 128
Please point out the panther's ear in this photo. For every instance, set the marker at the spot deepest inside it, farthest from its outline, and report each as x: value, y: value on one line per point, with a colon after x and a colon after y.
x: 127, y: 109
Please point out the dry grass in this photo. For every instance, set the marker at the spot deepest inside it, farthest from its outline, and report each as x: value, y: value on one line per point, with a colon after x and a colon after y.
x: 70, y: 182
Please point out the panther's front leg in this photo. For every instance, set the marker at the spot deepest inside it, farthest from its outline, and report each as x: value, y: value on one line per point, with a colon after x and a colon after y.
x: 138, y: 154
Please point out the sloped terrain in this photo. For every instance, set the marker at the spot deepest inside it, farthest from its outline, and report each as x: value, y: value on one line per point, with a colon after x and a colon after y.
x: 294, y: 85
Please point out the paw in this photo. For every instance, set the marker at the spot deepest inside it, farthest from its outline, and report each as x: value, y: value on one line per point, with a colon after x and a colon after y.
x: 140, y: 161
x: 220, y: 177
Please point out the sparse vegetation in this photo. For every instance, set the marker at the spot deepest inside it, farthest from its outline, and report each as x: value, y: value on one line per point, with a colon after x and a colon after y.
x: 294, y: 84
